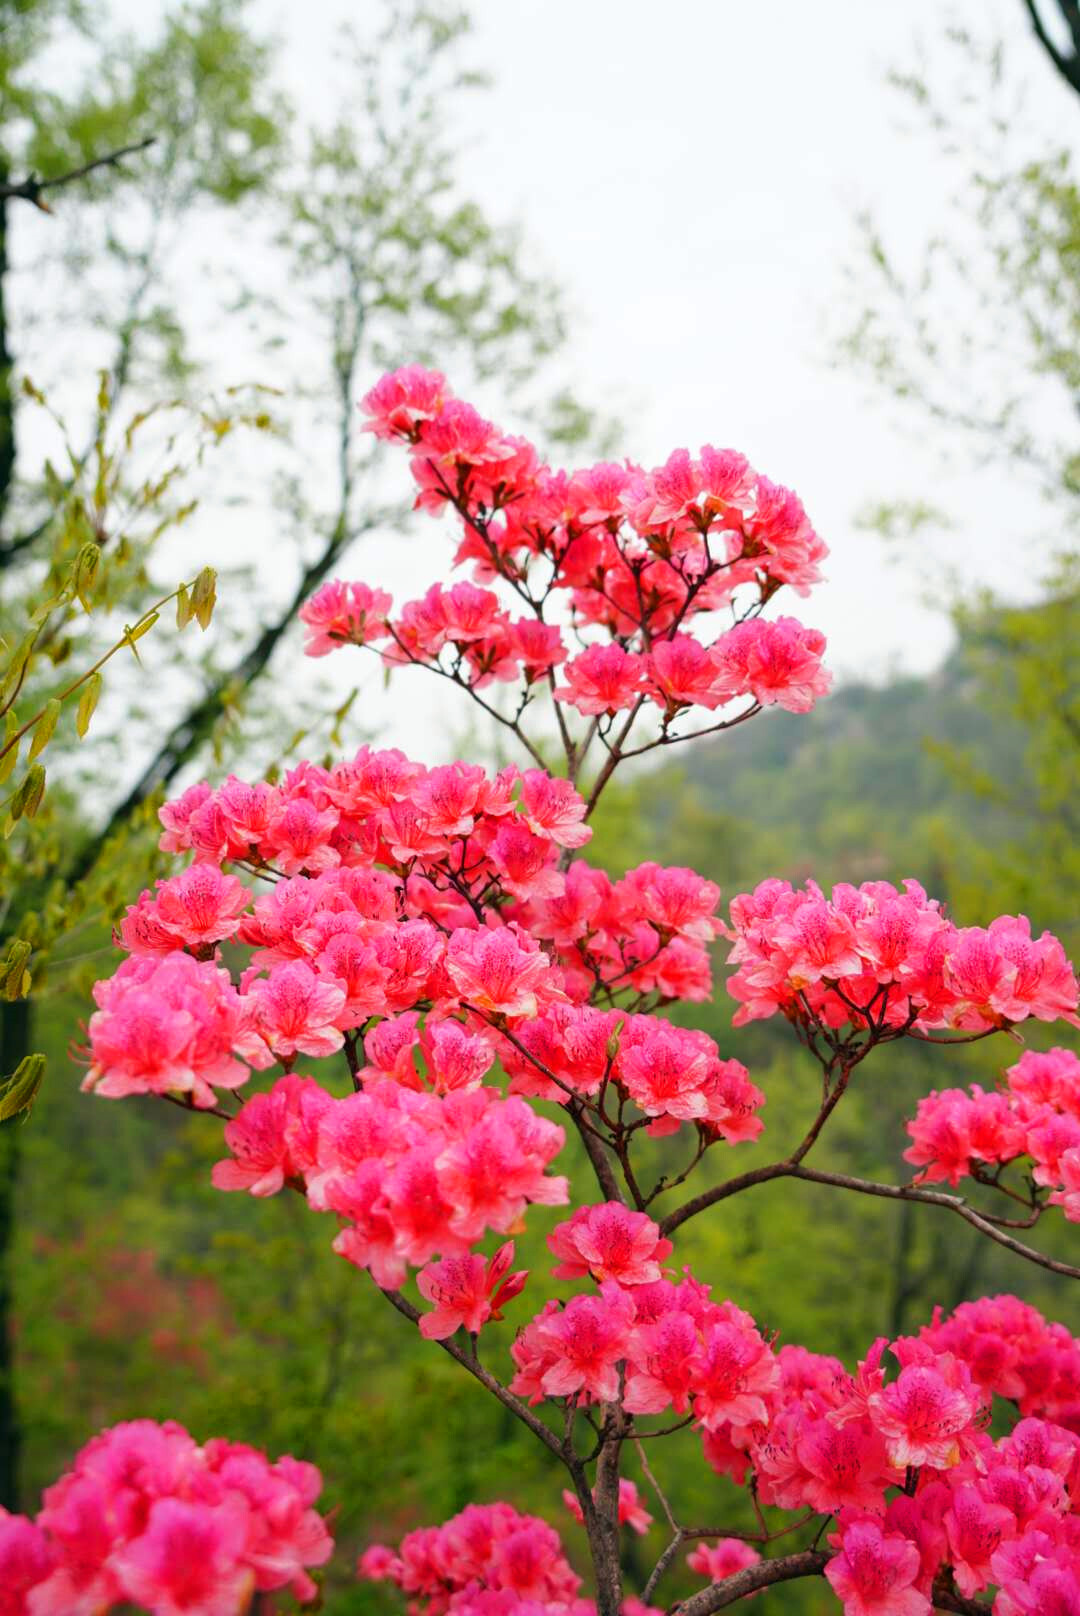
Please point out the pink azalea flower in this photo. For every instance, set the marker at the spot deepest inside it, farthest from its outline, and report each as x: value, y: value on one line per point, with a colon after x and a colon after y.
x: 586, y: 1341
x: 922, y: 1416
x: 467, y: 1292
x: 340, y: 614
x: 609, y: 1242
x: 500, y: 970
x: 294, y: 1012
x: 723, y: 1559
x: 603, y: 679
x: 874, y: 1572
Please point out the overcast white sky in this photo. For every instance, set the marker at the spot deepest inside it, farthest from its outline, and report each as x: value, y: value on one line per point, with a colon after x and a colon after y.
x: 690, y: 171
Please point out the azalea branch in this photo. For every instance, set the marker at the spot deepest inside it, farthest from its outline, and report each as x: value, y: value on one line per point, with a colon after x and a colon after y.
x: 520, y: 1410
x: 512, y: 724
x: 614, y: 758
x: 788, y: 1568
x: 993, y: 1229
x: 807, y: 1563
x: 678, y: 1535
x: 952, y: 1203
x: 597, y: 1153
x: 197, y: 1110
x: 694, y: 735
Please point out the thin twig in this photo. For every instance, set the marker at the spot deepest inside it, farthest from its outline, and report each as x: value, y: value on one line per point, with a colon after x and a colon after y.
x: 30, y: 189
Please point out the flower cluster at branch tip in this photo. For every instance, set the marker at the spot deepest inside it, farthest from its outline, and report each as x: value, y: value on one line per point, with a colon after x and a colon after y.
x: 409, y: 1174
x: 888, y: 961
x: 723, y: 1559
x: 147, y: 1517
x: 487, y: 1549
x: 627, y: 560
x: 1035, y: 1115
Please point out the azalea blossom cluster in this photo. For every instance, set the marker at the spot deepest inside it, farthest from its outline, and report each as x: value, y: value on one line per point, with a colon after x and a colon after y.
x: 409, y: 1173
x: 1015, y: 1354
x: 887, y: 959
x: 919, y: 1490
x: 434, y: 913
x: 921, y: 1495
x: 438, y: 934
x: 148, y: 1517
x: 630, y: 557
x: 487, y: 1549
x: 490, y: 1560
x: 1035, y: 1116
x: 667, y: 1343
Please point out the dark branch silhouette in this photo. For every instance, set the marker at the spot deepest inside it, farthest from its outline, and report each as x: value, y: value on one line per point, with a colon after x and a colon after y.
x: 1067, y: 62
x: 32, y: 187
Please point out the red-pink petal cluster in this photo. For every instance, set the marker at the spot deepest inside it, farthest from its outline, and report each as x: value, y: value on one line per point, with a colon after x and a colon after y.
x: 411, y: 1174
x: 1014, y: 1353
x: 343, y: 614
x: 147, y: 1517
x: 921, y: 1494
x: 467, y: 1292
x: 874, y: 1571
x: 435, y: 910
x: 670, y: 1344
x: 1035, y: 1115
x: 167, y: 1024
x: 609, y: 1242
x: 638, y: 557
x: 724, y: 1558
x: 488, y: 1548
x: 878, y: 957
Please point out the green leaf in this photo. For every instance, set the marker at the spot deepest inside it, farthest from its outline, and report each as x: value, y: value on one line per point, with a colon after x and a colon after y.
x: 43, y: 729
x: 87, y: 703
x: 184, y: 609
x: 9, y: 759
x: 204, y: 596
x: 18, y: 1092
x: 14, y: 975
x: 136, y: 633
x: 31, y: 789
x: 87, y: 565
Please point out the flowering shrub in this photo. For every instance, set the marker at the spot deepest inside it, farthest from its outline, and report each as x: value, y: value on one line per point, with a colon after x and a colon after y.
x: 439, y: 934
x: 146, y: 1516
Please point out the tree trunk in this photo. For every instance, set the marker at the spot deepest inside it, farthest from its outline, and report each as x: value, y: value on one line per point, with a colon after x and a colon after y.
x: 15, y: 1034
x: 7, y: 403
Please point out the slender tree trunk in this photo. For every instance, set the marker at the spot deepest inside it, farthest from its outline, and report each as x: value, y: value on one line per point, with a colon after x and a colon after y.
x: 14, y: 1018
x: 15, y: 1035
x: 7, y: 403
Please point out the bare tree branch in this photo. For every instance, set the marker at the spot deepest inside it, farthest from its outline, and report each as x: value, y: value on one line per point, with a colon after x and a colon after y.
x: 1067, y: 66
x: 718, y: 1595
x: 30, y: 189
x: 191, y: 732
x: 807, y: 1563
x: 864, y: 1186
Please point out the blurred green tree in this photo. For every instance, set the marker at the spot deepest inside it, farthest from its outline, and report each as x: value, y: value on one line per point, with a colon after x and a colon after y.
x: 366, y: 245
x: 1006, y: 409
